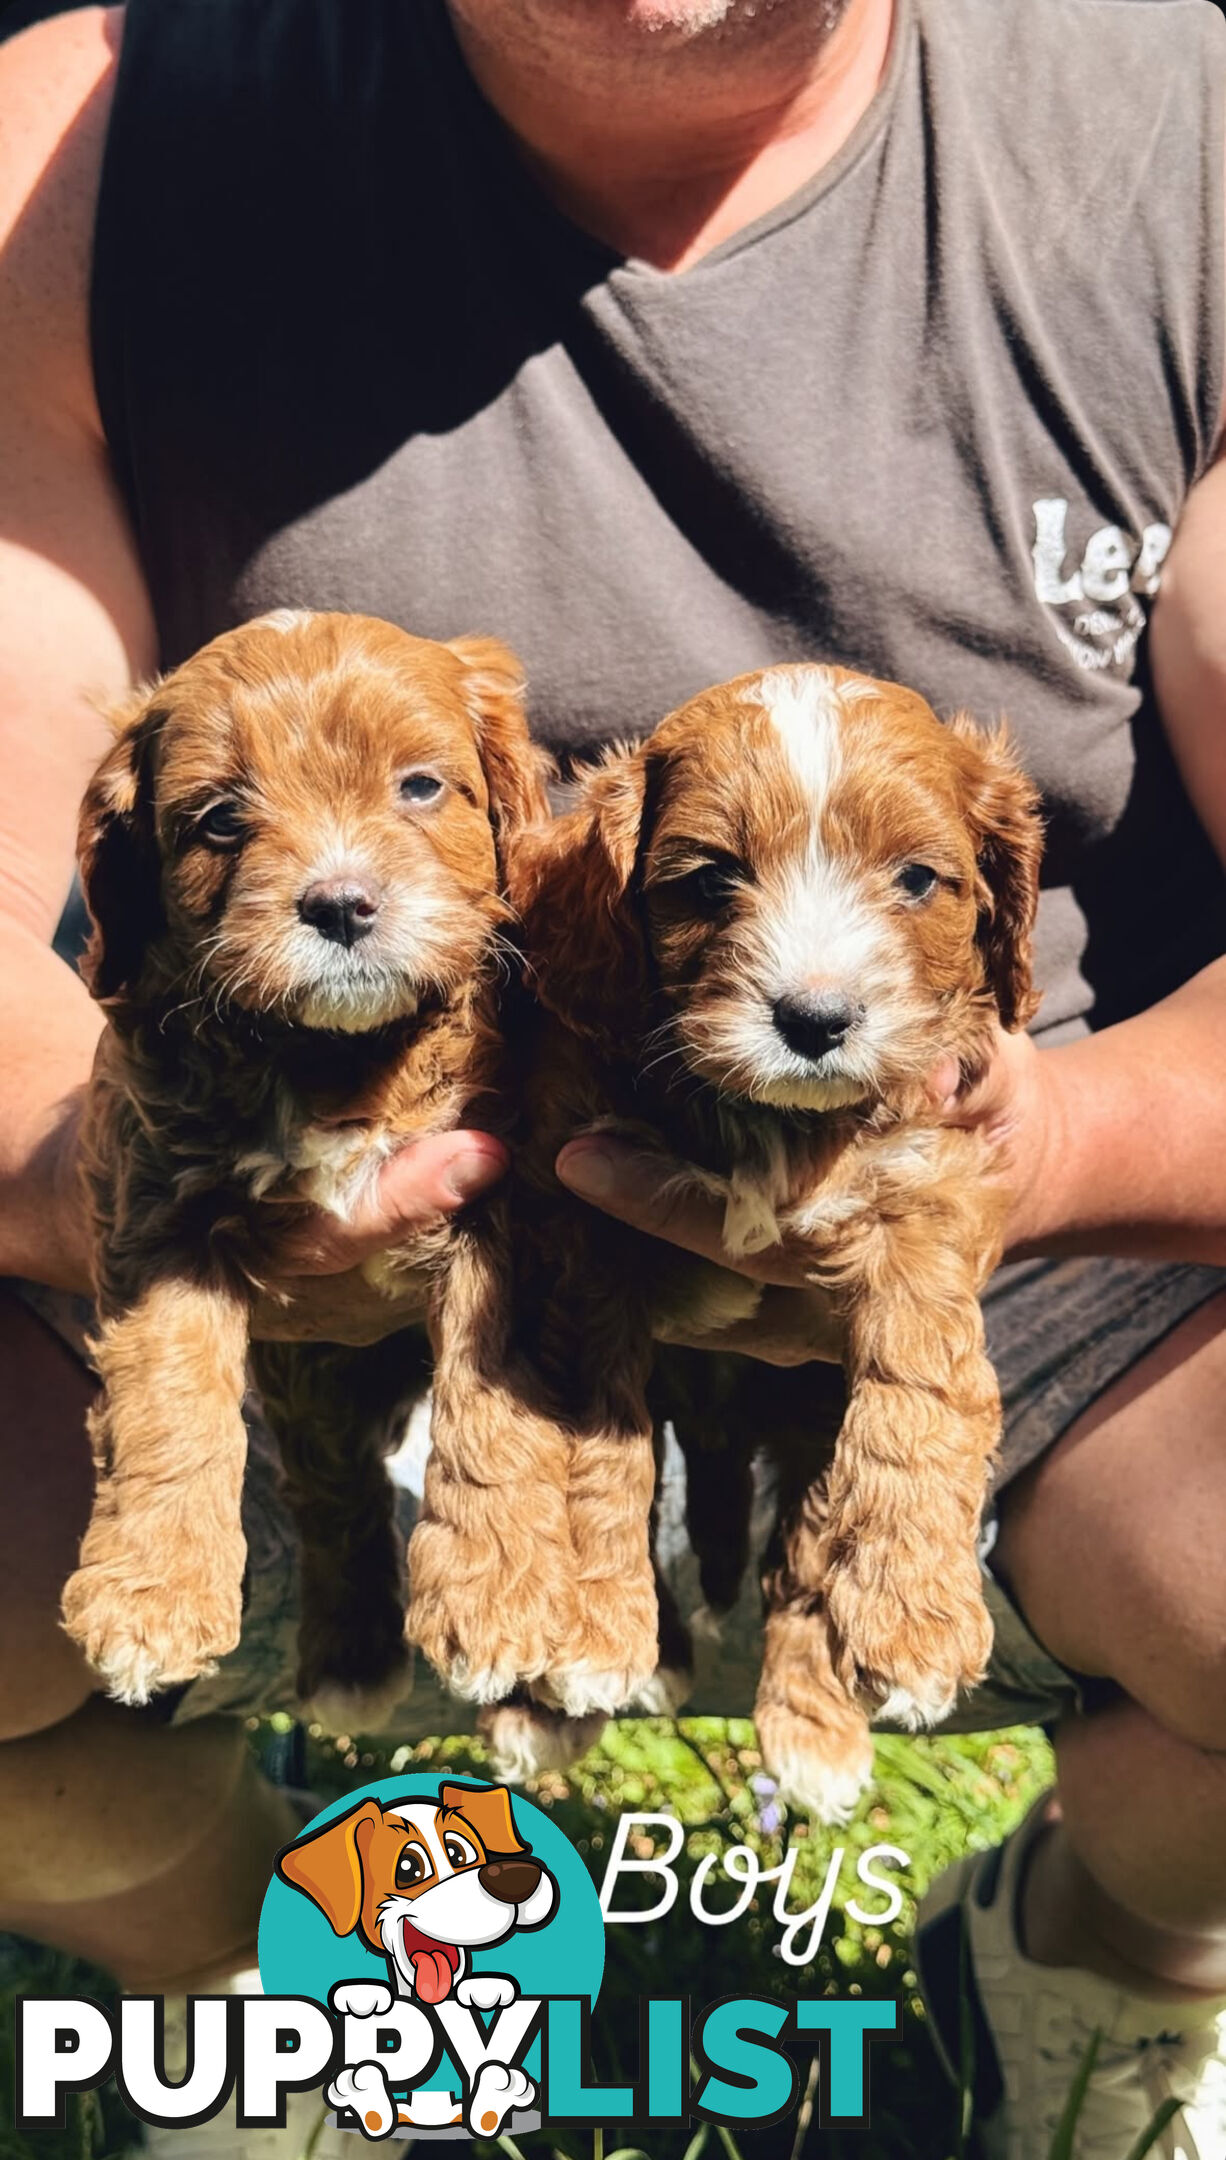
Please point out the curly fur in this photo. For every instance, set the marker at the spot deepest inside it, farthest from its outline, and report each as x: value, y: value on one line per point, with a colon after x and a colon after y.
x: 256, y: 1068
x: 757, y: 846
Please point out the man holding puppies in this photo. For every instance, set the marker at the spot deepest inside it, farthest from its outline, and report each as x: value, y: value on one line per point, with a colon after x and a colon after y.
x: 669, y: 338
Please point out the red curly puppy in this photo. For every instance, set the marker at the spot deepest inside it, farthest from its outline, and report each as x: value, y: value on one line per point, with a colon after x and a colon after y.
x: 757, y: 934
x: 292, y: 859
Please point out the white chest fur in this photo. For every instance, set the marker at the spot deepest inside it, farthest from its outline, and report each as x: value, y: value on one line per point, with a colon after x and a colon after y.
x: 334, y: 1166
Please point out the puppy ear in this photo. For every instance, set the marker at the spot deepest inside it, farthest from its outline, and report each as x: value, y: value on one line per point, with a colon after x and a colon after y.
x: 488, y: 1812
x: 117, y: 854
x: 570, y: 885
x: 327, y: 1867
x: 1003, y: 809
x: 514, y: 768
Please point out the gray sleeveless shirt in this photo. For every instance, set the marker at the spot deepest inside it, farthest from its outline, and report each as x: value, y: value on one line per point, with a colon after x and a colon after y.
x: 934, y: 417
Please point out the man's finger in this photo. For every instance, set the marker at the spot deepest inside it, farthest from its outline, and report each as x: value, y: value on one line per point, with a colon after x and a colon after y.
x: 429, y: 1178
x: 432, y: 1177
x: 652, y: 1193
x: 942, y: 1085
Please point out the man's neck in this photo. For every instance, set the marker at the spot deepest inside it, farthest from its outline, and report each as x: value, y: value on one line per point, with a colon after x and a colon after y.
x: 664, y: 144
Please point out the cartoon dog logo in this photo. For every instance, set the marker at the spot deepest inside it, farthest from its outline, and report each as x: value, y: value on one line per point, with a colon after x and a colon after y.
x: 423, y: 1883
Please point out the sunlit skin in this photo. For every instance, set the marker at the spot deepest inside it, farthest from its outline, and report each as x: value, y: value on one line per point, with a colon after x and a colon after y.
x: 664, y: 129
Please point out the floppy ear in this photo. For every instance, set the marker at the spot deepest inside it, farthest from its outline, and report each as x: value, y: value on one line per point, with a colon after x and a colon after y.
x: 570, y: 885
x: 327, y: 1866
x: 1003, y: 808
x: 514, y: 768
x: 117, y: 855
x: 488, y: 1812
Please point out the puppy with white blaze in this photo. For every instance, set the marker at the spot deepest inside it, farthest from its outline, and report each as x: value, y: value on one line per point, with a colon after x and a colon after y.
x: 751, y: 942
x: 425, y: 1883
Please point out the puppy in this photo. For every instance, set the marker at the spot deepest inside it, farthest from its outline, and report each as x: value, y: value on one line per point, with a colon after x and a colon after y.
x: 423, y: 1883
x: 292, y: 861
x: 756, y: 935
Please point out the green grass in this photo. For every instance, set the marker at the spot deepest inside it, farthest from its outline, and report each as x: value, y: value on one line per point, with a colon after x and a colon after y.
x: 936, y: 1799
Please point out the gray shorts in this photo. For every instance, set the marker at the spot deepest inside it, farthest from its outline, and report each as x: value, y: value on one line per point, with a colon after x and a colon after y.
x: 1060, y: 1332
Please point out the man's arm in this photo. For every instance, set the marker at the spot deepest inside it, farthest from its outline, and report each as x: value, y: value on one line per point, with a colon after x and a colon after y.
x: 1117, y: 1143
x: 75, y: 628
x: 1135, y: 1145
x: 74, y: 619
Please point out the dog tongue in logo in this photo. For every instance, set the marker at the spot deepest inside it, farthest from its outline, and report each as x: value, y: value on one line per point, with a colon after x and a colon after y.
x: 434, y: 1964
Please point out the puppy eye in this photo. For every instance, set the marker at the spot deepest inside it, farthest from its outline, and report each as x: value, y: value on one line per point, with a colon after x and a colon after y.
x: 411, y: 1867
x: 221, y: 825
x: 713, y: 885
x: 916, y: 879
x: 420, y: 787
x: 458, y: 1850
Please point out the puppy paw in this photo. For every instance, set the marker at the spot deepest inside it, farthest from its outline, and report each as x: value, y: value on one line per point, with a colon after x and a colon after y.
x: 915, y: 1709
x: 706, y: 1624
x: 525, y: 1738
x: 821, y: 1770
x: 364, y: 2088
x: 666, y: 1691
x: 142, y: 1637
x: 911, y: 1646
x: 498, y: 2092
x: 342, y: 1707
x: 587, y: 1691
x: 612, y: 1654
x: 481, y: 1648
x: 486, y: 1991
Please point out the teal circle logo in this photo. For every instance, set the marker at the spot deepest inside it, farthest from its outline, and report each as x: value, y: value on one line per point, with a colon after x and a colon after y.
x: 432, y: 1905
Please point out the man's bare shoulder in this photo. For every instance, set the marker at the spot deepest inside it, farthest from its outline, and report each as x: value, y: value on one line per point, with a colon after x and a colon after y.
x: 56, y: 83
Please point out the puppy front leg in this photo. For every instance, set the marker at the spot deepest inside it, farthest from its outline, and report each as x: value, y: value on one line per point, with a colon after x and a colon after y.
x: 157, y: 1596
x: 908, y: 1482
x: 490, y: 1563
x: 612, y: 1657
x: 334, y: 1412
x: 813, y: 1733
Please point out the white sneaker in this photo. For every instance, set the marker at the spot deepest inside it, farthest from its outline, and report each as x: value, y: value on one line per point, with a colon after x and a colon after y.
x: 1032, y: 2025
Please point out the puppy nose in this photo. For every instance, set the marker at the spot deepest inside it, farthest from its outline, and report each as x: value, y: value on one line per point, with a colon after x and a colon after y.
x: 341, y: 909
x: 510, y: 1880
x: 813, y: 1022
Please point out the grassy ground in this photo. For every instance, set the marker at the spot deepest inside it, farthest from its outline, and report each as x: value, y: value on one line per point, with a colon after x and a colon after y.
x: 935, y: 1799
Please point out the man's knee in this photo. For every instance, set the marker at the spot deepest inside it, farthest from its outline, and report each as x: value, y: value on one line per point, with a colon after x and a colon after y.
x: 46, y: 1485
x: 1172, y: 1652
x: 1112, y: 1543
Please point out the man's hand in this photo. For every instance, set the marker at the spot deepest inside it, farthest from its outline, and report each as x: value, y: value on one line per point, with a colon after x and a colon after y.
x: 794, y: 1322
x: 329, y: 1299
x: 1017, y: 1106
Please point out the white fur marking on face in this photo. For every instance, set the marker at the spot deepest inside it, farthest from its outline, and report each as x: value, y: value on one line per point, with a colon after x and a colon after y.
x: 804, y: 707
x: 282, y: 618
x: 814, y: 923
x: 817, y: 924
